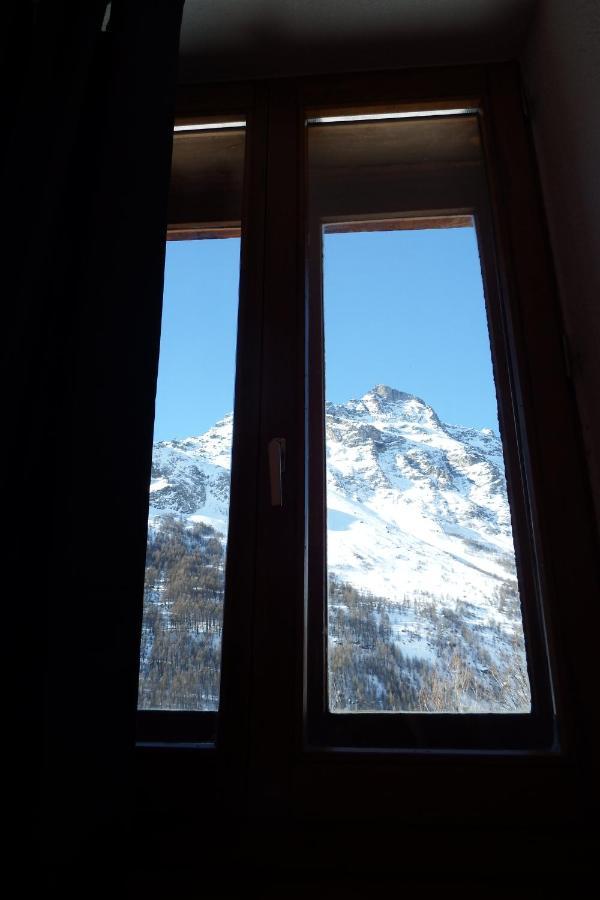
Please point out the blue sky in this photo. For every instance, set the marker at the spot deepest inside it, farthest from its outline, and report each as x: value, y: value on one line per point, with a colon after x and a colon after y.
x: 198, y: 335
x: 406, y: 309
x: 403, y: 308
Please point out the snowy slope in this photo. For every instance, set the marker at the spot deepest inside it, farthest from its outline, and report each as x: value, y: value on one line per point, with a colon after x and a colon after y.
x: 414, y: 505
x: 190, y: 477
x: 419, y: 524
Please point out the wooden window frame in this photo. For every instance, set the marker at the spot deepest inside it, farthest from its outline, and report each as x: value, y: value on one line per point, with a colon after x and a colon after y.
x: 264, y: 758
x: 454, y: 197
x: 178, y: 729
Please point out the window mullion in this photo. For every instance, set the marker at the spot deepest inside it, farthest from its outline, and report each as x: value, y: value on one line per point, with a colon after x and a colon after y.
x: 277, y: 634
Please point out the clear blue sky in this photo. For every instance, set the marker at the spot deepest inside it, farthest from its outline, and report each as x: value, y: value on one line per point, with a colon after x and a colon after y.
x: 406, y: 309
x: 198, y: 335
x: 403, y: 308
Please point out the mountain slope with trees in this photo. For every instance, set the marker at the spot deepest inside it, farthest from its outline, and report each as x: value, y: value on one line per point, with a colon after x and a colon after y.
x: 424, y: 610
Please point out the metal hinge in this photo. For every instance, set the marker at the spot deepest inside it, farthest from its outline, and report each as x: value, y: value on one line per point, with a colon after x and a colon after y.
x: 106, y: 20
x: 276, y: 452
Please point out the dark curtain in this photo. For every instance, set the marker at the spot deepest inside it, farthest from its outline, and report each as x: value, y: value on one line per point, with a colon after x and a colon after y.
x: 86, y: 153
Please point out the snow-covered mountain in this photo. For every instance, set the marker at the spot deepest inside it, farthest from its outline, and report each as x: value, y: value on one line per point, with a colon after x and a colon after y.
x: 418, y: 521
x: 413, y: 504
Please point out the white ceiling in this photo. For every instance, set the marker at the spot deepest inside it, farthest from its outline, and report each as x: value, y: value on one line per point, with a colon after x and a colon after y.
x: 238, y: 39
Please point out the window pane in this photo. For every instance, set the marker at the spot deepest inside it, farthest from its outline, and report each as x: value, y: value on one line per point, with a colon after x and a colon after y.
x: 180, y: 657
x: 189, y: 491
x: 424, y: 612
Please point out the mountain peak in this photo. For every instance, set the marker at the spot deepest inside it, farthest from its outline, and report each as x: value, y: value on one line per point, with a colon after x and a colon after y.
x: 386, y: 401
x: 387, y: 393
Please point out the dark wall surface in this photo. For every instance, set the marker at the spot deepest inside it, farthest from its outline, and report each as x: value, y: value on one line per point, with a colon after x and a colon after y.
x: 561, y: 68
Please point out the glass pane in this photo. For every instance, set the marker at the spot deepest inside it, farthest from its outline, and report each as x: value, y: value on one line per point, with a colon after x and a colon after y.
x: 424, y: 611
x: 180, y: 655
x: 189, y: 491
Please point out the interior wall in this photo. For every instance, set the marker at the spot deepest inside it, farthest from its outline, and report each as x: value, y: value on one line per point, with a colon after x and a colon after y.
x: 225, y: 40
x: 561, y: 70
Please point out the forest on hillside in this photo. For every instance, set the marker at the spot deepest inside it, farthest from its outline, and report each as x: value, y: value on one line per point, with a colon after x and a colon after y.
x: 468, y: 666
x: 180, y: 656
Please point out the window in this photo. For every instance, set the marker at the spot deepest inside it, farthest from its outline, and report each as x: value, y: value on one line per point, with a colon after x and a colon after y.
x: 312, y: 653
x: 423, y: 612
x: 189, y: 491
x: 191, y: 461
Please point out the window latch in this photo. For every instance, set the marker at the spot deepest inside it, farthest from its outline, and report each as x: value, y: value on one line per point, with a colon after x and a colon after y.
x: 276, y: 469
